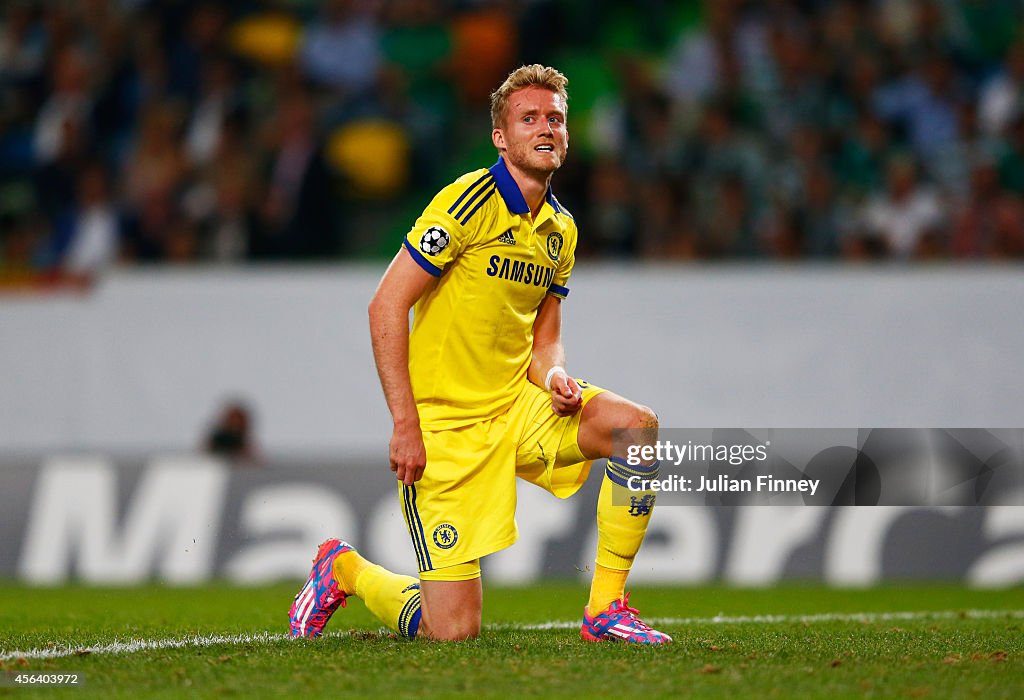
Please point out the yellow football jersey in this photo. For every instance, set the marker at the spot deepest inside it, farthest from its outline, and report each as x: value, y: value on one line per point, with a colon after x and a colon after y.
x: 472, y: 333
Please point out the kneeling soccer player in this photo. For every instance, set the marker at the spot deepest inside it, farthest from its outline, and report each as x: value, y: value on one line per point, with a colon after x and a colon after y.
x: 479, y: 395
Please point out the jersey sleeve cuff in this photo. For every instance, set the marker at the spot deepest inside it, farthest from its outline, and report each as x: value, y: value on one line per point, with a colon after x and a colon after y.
x: 559, y: 291
x: 424, y: 263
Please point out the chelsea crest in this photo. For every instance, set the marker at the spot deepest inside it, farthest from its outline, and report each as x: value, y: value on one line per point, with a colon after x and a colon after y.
x: 554, y: 245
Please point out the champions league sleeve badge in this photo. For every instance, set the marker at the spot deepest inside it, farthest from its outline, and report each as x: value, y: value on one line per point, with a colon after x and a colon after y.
x: 436, y: 239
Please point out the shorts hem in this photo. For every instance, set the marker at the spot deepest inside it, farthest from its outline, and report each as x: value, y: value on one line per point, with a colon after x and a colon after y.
x: 479, y: 554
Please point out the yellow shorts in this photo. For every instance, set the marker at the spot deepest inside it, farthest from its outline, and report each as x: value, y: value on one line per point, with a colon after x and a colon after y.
x: 464, y: 506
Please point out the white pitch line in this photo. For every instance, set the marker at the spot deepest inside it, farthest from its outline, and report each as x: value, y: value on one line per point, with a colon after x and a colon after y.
x: 137, y: 645
x: 802, y: 619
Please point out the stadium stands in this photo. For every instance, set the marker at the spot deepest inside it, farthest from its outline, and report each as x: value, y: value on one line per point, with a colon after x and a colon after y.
x: 725, y: 129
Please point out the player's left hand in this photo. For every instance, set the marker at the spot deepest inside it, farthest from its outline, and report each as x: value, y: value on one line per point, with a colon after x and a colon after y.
x: 566, y: 395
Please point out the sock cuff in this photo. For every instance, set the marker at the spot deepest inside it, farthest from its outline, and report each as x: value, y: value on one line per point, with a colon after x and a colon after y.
x: 616, y: 562
x: 620, y: 471
x: 409, y: 617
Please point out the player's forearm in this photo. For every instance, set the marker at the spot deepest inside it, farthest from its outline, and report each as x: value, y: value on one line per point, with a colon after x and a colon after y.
x: 389, y: 332
x: 545, y: 356
x: 548, y: 351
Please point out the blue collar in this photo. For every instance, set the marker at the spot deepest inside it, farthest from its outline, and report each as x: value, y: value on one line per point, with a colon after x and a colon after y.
x: 510, y: 192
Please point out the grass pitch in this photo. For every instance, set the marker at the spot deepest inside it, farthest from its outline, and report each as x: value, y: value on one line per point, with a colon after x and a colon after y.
x: 792, y: 641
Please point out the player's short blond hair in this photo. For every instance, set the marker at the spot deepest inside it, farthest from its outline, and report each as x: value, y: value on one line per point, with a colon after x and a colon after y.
x: 534, y: 75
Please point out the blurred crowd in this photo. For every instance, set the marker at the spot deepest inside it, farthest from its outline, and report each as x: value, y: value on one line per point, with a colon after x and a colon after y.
x: 179, y: 131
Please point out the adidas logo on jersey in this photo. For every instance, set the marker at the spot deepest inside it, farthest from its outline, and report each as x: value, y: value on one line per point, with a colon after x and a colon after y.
x: 507, y: 238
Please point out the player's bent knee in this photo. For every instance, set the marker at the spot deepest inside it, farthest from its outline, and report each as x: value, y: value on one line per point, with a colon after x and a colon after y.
x: 644, y: 417
x: 641, y: 424
x: 638, y: 417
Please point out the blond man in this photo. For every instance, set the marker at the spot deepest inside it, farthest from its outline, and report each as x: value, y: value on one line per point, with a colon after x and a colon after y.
x: 479, y: 394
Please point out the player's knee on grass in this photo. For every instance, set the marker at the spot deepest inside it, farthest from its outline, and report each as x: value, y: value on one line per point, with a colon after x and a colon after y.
x: 451, y: 630
x: 451, y: 609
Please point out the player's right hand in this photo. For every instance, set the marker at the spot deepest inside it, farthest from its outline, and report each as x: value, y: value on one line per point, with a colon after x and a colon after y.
x: 408, y: 455
x: 566, y: 395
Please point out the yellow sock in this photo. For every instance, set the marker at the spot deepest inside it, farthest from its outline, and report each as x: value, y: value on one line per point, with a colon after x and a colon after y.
x: 622, y: 518
x: 393, y: 598
x: 347, y: 567
x: 607, y: 585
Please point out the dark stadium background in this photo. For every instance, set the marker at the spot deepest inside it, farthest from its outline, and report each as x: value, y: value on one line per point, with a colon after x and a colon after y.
x: 301, y: 130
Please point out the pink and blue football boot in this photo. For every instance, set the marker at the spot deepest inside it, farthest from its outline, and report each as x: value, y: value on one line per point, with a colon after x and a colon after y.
x: 321, y: 595
x: 620, y: 623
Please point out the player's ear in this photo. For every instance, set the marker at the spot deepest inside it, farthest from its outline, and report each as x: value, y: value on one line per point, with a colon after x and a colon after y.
x: 498, y: 139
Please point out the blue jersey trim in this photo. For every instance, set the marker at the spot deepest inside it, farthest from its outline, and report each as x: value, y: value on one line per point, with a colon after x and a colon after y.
x: 479, y: 204
x: 559, y: 290
x: 422, y: 261
x: 468, y: 190
x: 511, y: 193
x: 508, y: 188
x: 559, y: 209
x: 552, y: 201
x: 488, y: 188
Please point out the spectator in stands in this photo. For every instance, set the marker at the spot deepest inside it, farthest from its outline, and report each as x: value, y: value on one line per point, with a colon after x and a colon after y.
x: 1002, y: 97
x: 926, y: 103
x: 91, y: 235
x: 694, y: 67
x: 156, y: 166
x: 135, y: 77
x: 810, y: 225
x: 974, y: 220
x: 862, y: 153
x: 213, y: 118
x: 23, y: 46
x: 296, y: 213
x: 341, y: 50
x: 219, y: 98
x: 726, y: 225
x: 189, y: 54
x: 68, y: 109
x: 147, y: 227
x: 798, y: 96
x: 228, y: 222
x: 63, y: 131
x: 907, y: 215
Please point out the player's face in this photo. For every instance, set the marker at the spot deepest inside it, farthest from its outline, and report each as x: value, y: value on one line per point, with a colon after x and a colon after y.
x: 534, y: 137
